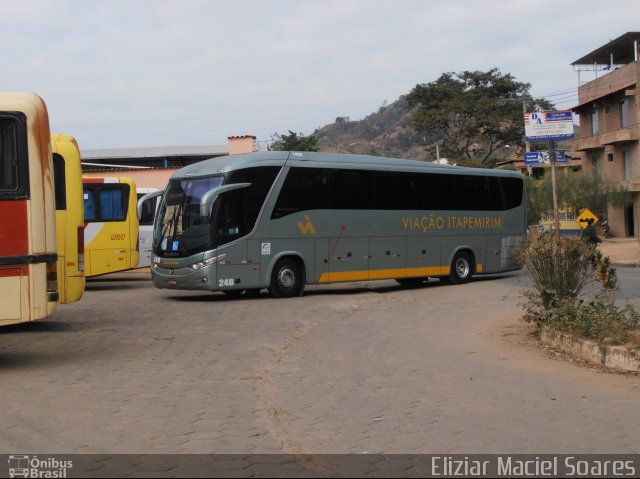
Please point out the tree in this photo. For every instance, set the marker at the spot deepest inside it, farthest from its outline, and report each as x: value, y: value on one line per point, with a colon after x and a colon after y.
x: 293, y: 142
x: 575, y: 192
x: 477, y: 112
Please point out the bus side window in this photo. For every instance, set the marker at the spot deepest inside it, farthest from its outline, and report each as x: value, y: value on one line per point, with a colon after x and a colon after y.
x: 512, y: 192
x: 148, y: 210
x: 13, y: 157
x: 112, y: 202
x: 238, y: 210
x: 434, y: 191
x: 59, y: 181
x: 89, y: 205
x: 351, y: 190
x: 471, y: 193
x: 231, y: 217
x: 304, y: 189
x: 394, y: 191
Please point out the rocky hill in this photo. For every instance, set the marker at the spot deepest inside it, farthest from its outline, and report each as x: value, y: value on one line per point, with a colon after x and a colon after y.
x: 386, y: 132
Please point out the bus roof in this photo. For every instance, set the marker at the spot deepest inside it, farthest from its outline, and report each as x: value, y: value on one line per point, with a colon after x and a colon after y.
x: 224, y: 164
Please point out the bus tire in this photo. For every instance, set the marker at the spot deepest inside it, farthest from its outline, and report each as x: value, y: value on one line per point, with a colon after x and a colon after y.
x: 462, y: 268
x: 287, y: 279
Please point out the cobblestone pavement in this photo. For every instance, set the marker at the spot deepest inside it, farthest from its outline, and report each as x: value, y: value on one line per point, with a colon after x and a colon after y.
x: 353, y: 368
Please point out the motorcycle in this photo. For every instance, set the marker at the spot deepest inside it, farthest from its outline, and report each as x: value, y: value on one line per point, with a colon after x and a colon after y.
x: 606, y: 230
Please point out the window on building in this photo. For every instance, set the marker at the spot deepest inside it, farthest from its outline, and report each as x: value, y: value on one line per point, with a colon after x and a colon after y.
x: 626, y: 161
x: 594, y: 122
x: 624, y: 113
x: 595, y: 163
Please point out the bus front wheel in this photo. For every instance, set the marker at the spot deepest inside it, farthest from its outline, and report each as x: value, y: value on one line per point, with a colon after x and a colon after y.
x: 287, y: 279
x: 462, y: 268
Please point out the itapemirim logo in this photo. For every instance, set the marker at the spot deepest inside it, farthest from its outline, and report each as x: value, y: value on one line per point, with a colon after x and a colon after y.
x: 306, y: 228
x: 22, y: 465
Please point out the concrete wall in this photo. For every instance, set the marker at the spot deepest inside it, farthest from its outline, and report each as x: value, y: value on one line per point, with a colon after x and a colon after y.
x: 151, y: 178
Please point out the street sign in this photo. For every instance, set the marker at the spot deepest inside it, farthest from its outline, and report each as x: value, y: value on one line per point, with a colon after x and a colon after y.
x: 542, y: 157
x: 586, y: 218
x: 548, y: 125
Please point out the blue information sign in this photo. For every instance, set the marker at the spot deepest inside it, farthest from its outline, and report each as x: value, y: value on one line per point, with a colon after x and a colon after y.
x: 542, y: 157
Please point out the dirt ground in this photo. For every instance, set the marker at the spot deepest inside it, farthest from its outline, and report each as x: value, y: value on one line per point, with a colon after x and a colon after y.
x: 622, y: 251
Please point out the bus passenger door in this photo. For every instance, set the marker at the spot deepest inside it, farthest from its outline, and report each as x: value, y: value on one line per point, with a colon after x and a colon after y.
x: 348, y: 260
x: 387, y: 258
x: 423, y: 256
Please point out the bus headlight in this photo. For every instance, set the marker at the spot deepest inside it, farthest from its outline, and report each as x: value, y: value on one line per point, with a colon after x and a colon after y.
x: 203, y: 264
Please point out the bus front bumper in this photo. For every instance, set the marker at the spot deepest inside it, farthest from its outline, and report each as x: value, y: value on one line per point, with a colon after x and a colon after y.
x: 184, y: 278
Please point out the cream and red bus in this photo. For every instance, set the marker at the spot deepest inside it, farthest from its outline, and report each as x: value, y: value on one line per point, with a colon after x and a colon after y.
x: 28, y: 254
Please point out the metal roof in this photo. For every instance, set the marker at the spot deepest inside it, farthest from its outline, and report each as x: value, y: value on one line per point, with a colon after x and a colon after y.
x: 153, y: 152
x: 617, y: 52
x: 164, y: 156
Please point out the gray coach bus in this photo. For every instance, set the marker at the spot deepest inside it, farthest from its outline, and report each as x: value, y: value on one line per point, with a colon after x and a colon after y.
x: 281, y: 220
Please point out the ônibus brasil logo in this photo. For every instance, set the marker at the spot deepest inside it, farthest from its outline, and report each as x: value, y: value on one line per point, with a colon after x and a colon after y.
x: 27, y: 466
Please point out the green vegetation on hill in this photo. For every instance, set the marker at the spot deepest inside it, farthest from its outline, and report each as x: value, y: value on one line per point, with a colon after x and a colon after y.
x: 387, y: 132
x: 471, y: 118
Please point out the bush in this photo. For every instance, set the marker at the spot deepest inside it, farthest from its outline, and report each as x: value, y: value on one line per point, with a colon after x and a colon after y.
x: 560, y: 271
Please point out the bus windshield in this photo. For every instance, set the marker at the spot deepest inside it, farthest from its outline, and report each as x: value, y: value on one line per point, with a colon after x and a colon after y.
x: 181, y: 230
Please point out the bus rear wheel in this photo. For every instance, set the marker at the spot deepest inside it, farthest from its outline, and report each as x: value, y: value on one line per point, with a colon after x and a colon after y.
x: 287, y: 279
x: 462, y: 268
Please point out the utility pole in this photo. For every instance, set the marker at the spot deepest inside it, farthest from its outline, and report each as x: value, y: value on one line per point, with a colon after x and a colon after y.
x: 554, y: 188
x: 527, y: 145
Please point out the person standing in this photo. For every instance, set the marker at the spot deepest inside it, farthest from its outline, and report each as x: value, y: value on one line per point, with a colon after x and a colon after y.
x: 589, y: 235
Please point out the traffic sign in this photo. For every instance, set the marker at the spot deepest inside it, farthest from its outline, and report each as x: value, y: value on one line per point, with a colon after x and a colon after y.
x: 586, y: 218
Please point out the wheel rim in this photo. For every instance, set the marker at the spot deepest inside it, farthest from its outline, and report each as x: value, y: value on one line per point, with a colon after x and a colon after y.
x: 462, y: 268
x: 286, y: 278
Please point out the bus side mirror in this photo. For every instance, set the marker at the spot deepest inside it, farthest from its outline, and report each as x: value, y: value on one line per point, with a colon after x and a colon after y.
x: 207, y: 200
x: 145, y: 198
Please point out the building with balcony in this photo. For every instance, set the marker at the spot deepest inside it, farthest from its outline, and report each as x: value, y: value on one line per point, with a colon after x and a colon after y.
x: 609, y: 134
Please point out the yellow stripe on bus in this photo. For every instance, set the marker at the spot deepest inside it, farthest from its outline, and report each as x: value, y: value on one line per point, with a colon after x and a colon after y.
x: 365, y: 275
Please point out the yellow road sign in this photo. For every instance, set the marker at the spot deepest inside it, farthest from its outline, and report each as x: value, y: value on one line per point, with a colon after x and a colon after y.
x: 586, y: 218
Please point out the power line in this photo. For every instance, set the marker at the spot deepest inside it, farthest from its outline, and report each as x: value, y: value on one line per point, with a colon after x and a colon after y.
x: 573, y: 90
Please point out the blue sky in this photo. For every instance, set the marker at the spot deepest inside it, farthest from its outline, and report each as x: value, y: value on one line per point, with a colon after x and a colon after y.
x: 164, y: 73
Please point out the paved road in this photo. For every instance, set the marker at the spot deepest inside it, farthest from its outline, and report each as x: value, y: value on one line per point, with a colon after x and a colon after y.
x: 362, y: 367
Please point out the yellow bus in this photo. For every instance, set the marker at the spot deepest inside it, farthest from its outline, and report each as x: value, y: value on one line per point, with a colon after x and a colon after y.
x: 111, y: 225
x: 28, y: 255
x: 67, y: 172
